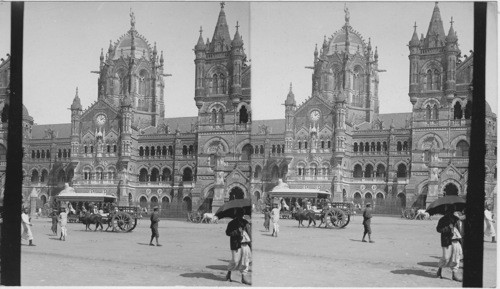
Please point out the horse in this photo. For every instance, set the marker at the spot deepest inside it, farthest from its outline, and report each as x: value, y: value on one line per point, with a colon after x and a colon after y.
x: 87, y: 219
x: 301, y: 215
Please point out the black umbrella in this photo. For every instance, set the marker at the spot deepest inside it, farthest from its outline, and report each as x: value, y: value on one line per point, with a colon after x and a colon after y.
x: 227, y: 210
x: 439, y: 205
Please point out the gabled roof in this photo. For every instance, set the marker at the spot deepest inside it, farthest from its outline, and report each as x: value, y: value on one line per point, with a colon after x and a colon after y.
x: 275, y: 126
x: 63, y: 130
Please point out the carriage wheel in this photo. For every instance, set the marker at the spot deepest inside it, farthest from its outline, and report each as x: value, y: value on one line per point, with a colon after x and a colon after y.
x: 123, y: 222
x: 336, y: 218
x: 197, y: 218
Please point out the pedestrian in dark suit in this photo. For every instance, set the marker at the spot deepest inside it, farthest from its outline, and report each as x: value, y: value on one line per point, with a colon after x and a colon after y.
x: 367, y: 220
x: 240, y: 232
x: 155, y: 219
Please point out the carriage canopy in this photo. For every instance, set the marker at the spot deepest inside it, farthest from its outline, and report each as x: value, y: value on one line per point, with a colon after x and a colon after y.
x: 68, y: 194
x: 298, y: 193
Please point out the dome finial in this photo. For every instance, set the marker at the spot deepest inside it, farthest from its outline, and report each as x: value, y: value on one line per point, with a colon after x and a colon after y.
x: 132, y: 19
x: 451, y: 22
x: 201, y: 31
x: 238, y: 25
x: 222, y: 5
x: 347, y: 14
x: 161, y: 57
x: 76, y: 95
x: 290, y: 87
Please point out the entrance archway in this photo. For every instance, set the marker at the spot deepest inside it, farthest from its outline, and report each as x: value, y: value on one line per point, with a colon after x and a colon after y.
x: 236, y: 193
x: 450, y: 190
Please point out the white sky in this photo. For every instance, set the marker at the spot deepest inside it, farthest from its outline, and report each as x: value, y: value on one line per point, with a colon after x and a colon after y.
x: 63, y: 43
x: 284, y: 36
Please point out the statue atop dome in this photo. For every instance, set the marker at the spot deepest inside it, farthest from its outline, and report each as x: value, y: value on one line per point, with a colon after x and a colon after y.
x: 132, y: 19
x: 347, y: 14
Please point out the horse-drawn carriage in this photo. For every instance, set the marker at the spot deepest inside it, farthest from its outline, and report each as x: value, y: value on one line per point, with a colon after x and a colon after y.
x: 335, y: 216
x: 119, y: 218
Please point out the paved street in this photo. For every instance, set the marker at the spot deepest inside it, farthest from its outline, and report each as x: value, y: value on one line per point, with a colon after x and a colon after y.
x: 405, y: 254
x: 191, y: 255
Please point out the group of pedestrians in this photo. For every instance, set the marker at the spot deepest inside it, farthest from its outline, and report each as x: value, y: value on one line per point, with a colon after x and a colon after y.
x: 61, y: 220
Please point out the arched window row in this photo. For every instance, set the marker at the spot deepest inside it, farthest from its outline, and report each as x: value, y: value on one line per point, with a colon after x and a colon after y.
x: 218, y: 83
x: 42, y: 154
x: 217, y: 116
x: 402, y: 146
x: 259, y: 150
x: 432, y: 112
x: 164, y: 150
x: 155, y: 175
x: 277, y: 149
x: 313, y: 170
x: 99, y: 174
x: 369, y: 172
x: 368, y: 147
x: 462, y: 112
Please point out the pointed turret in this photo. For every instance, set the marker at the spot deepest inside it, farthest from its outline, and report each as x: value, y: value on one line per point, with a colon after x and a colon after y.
x: 414, y: 39
x: 325, y: 44
x: 161, y: 58
x: 110, y: 48
x: 155, y: 52
x: 290, y: 98
x: 237, y: 40
x: 452, y: 36
x: 76, y: 105
x: 376, y: 53
x: 200, y: 45
x: 221, y: 38
x: 435, y: 33
x: 102, y: 55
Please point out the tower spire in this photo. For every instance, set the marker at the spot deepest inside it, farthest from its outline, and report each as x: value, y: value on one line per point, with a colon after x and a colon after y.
x: 435, y: 32
x: 221, y: 38
x: 347, y: 14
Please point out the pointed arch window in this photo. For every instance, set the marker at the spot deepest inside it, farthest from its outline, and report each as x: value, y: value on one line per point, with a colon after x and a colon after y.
x: 435, y: 112
x: 221, y: 116
x: 215, y: 84
x: 355, y: 148
x: 429, y: 79
x: 436, y: 83
x: 143, y: 77
x: 468, y: 110
x: 358, y: 171
x: 222, y: 85
x: 214, y: 116
x: 457, y: 111
x: 462, y: 149
x: 402, y: 172
x: 428, y: 112
x: 368, y: 171
x: 243, y: 114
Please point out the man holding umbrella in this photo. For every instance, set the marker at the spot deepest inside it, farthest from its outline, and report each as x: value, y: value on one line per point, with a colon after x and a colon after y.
x: 450, y: 232
x: 239, y: 231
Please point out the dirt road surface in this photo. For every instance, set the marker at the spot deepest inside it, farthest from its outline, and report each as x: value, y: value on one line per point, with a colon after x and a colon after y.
x: 191, y: 255
x: 405, y: 254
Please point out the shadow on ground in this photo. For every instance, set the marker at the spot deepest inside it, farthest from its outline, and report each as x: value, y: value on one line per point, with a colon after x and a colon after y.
x: 428, y: 264
x: 203, y: 275
x: 417, y: 272
x: 217, y: 267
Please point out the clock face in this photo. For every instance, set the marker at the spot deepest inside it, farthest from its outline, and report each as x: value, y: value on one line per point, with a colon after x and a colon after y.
x: 315, y: 115
x: 100, y: 119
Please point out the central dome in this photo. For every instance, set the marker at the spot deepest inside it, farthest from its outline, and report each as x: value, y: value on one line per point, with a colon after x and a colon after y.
x: 124, y: 46
x: 337, y: 41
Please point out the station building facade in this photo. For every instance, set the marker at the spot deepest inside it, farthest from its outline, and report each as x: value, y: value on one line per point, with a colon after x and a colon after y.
x: 125, y: 145
x: 337, y: 141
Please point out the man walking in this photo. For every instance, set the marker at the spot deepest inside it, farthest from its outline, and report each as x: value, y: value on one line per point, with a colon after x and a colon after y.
x: 275, y: 216
x: 367, y: 217
x: 54, y: 218
x: 240, y: 232
x: 25, y: 221
x: 63, y: 221
x: 489, y: 227
x: 155, y: 219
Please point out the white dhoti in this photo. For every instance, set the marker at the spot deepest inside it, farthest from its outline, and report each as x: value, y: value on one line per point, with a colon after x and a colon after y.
x: 64, y: 231
x: 451, y: 256
x: 26, y: 235
x: 489, y: 228
x: 276, y: 227
x: 240, y: 259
